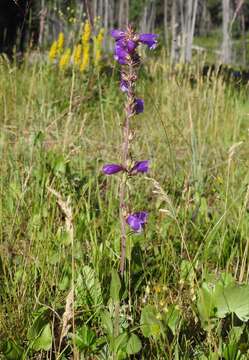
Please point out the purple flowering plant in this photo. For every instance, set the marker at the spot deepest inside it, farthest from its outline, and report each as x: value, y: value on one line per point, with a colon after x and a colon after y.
x: 125, y: 53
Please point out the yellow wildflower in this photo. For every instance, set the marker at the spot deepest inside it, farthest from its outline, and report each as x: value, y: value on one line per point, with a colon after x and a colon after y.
x: 85, y: 46
x: 53, y: 51
x: 86, y: 33
x: 60, y: 42
x: 98, y: 40
x: 77, y: 54
x: 85, y: 60
x: 65, y: 59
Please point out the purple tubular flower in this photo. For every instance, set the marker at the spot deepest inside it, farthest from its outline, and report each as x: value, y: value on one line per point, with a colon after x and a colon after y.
x: 139, y: 106
x: 120, y: 54
x: 137, y: 221
x: 117, y: 34
x: 140, y: 166
x: 124, y: 85
x: 131, y: 45
x: 110, y: 169
x: 149, y: 39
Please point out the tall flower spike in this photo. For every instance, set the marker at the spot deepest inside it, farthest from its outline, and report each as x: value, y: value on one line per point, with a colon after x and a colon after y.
x: 126, y: 43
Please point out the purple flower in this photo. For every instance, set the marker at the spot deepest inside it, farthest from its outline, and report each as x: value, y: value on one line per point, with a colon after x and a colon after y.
x: 139, y: 106
x: 149, y: 39
x: 137, y: 221
x: 117, y: 34
x: 124, y: 85
x: 131, y: 45
x: 121, y: 54
x: 140, y: 166
x: 110, y: 169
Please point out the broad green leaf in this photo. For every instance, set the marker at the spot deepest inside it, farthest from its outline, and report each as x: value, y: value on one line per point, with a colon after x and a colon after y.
x: 232, y: 299
x: 119, y: 343
x: 88, y: 290
x: 150, y: 325
x: 44, y: 341
x: 38, y: 324
x: 85, y: 337
x: 134, y: 345
x: 115, y: 286
x: 205, y: 305
x: 106, y: 321
x: 172, y: 318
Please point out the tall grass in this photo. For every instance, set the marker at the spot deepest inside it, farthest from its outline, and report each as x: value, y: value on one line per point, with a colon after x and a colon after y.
x: 57, y: 130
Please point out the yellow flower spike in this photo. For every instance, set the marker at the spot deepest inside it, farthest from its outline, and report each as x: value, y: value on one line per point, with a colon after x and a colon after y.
x: 85, y: 46
x: 60, y: 42
x: 65, y: 59
x: 77, y: 54
x: 53, y: 51
x: 85, y: 61
x: 98, y: 40
x: 86, y: 33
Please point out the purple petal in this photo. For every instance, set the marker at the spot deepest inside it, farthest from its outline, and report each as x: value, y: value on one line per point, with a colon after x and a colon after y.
x: 134, y: 223
x: 142, y: 216
x: 117, y: 34
x: 124, y: 86
x: 110, y: 169
x: 149, y: 39
x: 120, y: 60
x: 139, y: 106
x: 120, y: 54
x: 140, y: 166
x: 137, y: 221
x: 131, y: 46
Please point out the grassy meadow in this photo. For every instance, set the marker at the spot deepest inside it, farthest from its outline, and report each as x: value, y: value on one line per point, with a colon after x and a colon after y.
x: 185, y: 293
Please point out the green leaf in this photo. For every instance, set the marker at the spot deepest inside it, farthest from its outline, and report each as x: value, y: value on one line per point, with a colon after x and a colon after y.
x: 115, y: 286
x: 44, y: 341
x: 205, y: 305
x: 120, y: 342
x: 106, y: 321
x: 38, y: 324
x: 232, y: 299
x: 88, y: 289
x: 150, y: 325
x: 134, y: 345
x: 172, y: 318
x: 84, y: 338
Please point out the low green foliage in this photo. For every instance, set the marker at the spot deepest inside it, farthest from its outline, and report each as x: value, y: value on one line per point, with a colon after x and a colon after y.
x: 185, y: 292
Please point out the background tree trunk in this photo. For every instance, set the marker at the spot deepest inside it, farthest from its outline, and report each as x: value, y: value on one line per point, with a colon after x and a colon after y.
x: 175, y: 29
x: 226, y: 52
x: 190, y: 21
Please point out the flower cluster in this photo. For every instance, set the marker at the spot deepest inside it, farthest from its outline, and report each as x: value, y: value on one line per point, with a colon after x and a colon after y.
x: 126, y: 43
x: 57, y: 47
x: 83, y: 51
x: 139, y: 167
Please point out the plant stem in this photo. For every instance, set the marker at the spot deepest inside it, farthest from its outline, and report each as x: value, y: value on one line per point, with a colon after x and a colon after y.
x: 129, y: 112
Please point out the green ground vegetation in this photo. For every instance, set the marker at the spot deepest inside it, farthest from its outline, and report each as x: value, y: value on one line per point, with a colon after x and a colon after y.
x: 185, y: 292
